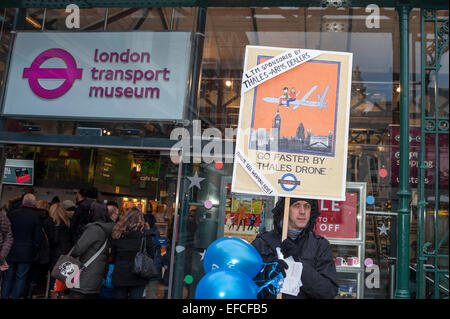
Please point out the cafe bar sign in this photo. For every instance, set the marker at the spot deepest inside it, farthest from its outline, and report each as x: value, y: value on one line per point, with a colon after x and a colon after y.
x: 19, y: 172
x: 104, y: 75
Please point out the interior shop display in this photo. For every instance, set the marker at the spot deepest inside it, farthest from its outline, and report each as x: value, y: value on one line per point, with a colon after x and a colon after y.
x: 18, y: 172
x: 345, y: 230
x: 243, y: 215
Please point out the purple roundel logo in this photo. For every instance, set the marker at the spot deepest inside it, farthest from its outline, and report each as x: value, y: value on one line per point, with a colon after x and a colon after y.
x: 69, y: 74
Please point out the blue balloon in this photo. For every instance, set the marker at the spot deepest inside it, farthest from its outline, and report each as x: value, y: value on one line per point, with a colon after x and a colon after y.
x: 226, y: 284
x: 234, y: 253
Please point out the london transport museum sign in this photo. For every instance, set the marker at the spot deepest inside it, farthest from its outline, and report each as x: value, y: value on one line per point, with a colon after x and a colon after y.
x: 105, y: 75
x: 293, y: 123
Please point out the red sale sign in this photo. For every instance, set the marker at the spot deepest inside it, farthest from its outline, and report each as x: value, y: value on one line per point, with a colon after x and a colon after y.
x: 337, y: 219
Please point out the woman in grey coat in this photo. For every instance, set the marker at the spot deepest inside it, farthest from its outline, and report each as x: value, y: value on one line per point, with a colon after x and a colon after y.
x: 92, y: 239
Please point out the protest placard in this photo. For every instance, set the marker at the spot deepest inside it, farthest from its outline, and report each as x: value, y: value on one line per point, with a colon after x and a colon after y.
x: 293, y: 123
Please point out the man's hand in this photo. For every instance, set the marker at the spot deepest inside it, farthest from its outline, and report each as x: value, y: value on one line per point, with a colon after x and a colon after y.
x: 4, y: 266
x: 281, y: 267
x: 288, y: 248
x: 270, y: 273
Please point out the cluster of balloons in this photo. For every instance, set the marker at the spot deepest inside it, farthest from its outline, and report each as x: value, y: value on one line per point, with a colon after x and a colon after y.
x: 230, y: 264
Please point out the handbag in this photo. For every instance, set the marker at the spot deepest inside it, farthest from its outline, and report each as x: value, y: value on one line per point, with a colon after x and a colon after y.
x: 68, y: 267
x: 143, y: 264
x: 59, y: 286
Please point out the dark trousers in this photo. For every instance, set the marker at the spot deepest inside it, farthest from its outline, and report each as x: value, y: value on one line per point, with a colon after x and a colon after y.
x: 129, y: 292
x: 37, y: 278
x: 15, y: 279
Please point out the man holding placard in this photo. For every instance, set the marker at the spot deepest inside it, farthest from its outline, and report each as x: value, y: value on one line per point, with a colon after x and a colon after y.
x: 298, y: 153
x: 311, y: 272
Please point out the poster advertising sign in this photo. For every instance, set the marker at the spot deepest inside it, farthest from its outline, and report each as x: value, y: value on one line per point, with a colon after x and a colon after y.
x: 414, y: 152
x: 19, y: 172
x: 293, y: 123
x: 338, y: 218
x: 243, y: 217
x: 106, y: 75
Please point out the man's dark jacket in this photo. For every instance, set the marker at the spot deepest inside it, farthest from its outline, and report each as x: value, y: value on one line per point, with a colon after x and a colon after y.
x: 60, y: 240
x: 26, y: 227
x: 44, y: 248
x: 80, y: 218
x: 319, y: 275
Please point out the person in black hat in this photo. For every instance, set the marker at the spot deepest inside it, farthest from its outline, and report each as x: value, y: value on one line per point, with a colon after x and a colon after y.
x: 319, y: 275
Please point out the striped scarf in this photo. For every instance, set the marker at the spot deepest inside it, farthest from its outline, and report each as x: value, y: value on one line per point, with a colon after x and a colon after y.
x: 293, y: 234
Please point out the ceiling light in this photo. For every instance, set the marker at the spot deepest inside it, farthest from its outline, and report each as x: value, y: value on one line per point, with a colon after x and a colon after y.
x: 33, y: 22
x: 228, y: 83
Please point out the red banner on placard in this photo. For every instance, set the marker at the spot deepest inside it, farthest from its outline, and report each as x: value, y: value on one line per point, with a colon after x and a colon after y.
x: 337, y: 219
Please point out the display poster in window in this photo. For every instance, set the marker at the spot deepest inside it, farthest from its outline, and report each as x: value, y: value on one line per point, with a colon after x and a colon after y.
x: 430, y: 160
x: 292, y: 135
x: 19, y: 172
x: 113, y: 168
x: 243, y: 216
x: 337, y: 219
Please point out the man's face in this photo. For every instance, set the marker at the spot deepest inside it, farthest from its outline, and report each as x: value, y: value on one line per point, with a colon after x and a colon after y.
x: 114, y: 212
x: 299, y: 215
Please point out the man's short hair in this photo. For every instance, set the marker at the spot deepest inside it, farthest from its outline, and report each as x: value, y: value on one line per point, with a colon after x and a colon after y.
x: 29, y: 200
x: 82, y: 192
x: 92, y: 192
x: 112, y: 203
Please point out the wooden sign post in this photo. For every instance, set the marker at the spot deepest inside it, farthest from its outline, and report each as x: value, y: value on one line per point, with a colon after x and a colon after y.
x: 287, y: 204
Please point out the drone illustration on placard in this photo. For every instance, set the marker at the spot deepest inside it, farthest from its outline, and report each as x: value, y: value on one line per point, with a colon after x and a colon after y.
x: 291, y: 99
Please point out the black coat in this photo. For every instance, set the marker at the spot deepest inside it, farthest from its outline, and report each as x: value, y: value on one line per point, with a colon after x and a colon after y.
x: 44, y: 248
x: 319, y: 276
x: 123, y: 251
x: 80, y: 218
x: 26, y: 227
x: 60, y: 240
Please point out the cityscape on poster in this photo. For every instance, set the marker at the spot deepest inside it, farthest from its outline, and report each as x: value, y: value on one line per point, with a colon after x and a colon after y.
x: 293, y: 123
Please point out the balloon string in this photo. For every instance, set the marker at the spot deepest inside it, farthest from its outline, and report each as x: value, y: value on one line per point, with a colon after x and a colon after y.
x: 274, y: 284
